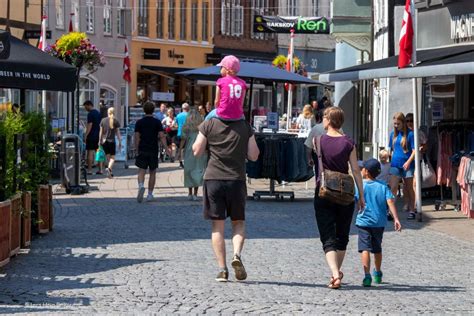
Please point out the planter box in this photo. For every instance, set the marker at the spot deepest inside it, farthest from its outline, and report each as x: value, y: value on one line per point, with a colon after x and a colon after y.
x: 43, y: 209
x: 51, y: 208
x: 15, y: 225
x: 26, y: 221
x: 5, y: 214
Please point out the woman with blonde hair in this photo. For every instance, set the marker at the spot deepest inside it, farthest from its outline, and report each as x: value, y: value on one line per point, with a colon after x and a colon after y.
x: 109, y: 128
x: 194, y: 167
x: 306, y: 120
x: 402, y: 146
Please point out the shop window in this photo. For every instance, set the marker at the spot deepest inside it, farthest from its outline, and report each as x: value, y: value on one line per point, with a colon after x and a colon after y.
x: 90, y: 16
x: 171, y: 20
x: 439, y: 99
x: 143, y: 18
x: 194, y: 22
x: 182, y: 24
x: 160, y: 15
x: 59, y: 5
x: 205, y: 23
x: 77, y: 17
x: 107, y: 97
x: 314, y: 8
x: 87, y: 92
x: 107, y: 17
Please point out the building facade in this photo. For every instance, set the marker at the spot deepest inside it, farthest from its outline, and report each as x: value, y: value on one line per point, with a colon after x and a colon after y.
x: 170, y: 36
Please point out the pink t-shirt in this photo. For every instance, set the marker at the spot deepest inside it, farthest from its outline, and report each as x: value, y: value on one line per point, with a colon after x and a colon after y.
x: 232, y: 90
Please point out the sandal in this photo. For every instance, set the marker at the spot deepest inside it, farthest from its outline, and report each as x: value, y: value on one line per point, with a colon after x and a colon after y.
x: 333, y: 283
x: 341, y: 275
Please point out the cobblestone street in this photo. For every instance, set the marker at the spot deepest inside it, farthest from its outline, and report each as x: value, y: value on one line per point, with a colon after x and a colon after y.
x: 108, y: 253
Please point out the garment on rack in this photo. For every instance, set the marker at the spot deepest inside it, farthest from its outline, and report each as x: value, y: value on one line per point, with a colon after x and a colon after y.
x: 466, y: 183
x: 444, y: 165
x: 281, y: 159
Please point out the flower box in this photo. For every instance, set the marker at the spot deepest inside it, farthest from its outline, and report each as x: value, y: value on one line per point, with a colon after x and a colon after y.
x: 15, y: 225
x: 5, y: 214
x: 26, y: 221
x: 51, y: 207
x: 43, y: 209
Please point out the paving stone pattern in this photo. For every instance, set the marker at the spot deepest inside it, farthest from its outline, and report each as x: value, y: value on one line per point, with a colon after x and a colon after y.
x: 109, y: 254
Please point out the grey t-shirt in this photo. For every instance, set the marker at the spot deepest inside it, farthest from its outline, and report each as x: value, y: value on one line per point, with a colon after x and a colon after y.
x: 227, y: 145
x: 108, y: 134
x: 317, y: 130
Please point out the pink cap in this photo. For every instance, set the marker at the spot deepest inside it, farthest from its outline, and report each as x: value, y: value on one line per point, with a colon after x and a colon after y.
x: 230, y: 62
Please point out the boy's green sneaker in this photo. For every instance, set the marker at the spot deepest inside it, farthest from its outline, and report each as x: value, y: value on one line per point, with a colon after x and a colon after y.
x: 377, y: 276
x: 367, y: 280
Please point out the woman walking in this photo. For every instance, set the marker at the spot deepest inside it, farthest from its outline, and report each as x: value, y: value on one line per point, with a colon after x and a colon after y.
x: 171, y: 129
x: 195, y: 166
x: 109, y: 128
x: 334, y: 220
x: 402, y: 146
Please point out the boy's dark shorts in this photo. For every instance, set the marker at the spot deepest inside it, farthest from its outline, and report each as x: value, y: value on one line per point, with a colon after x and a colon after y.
x: 224, y: 198
x: 145, y: 160
x: 370, y: 239
x: 92, y: 143
x: 109, y: 148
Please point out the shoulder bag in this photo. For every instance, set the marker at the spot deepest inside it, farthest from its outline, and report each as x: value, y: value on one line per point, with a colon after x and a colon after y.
x: 334, y: 186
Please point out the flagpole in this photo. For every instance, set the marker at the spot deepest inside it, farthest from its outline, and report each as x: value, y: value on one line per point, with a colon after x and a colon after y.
x: 43, y: 48
x: 290, y: 90
x: 416, y: 120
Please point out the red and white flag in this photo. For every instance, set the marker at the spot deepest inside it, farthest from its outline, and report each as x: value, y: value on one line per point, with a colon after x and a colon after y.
x: 126, y: 66
x: 406, y: 37
x: 71, y: 28
x: 42, y: 43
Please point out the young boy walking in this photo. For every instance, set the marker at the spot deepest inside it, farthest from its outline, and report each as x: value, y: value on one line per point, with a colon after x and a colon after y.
x: 372, y: 219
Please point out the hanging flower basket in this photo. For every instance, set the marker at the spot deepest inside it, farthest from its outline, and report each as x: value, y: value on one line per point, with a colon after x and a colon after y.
x: 280, y: 62
x: 76, y: 49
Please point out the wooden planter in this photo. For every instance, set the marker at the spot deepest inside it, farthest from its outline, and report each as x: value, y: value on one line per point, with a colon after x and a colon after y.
x: 26, y: 221
x: 15, y: 225
x: 43, y: 209
x: 51, y: 213
x: 5, y: 214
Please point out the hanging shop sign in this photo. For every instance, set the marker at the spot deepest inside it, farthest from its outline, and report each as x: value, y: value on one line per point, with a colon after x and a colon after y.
x: 162, y: 96
x: 300, y: 25
x: 150, y: 53
x: 31, y: 34
x: 462, y: 27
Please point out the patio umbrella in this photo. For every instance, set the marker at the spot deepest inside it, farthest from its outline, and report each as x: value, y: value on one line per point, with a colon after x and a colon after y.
x: 27, y: 67
x: 250, y: 71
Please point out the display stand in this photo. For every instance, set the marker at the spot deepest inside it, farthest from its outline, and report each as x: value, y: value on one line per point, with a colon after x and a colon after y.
x: 279, y: 195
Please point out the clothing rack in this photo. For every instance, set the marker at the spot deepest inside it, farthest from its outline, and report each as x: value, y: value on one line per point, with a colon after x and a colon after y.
x: 279, y: 195
x: 466, y: 125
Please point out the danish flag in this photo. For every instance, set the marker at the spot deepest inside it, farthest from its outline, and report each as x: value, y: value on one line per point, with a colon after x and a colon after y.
x: 126, y: 66
x: 71, y: 28
x: 42, y: 43
x: 406, y: 37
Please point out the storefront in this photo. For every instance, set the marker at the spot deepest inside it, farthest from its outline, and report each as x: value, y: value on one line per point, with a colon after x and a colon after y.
x: 154, y: 67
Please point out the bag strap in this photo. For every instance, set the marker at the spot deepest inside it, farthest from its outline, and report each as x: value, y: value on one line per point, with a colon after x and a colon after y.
x: 317, y: 147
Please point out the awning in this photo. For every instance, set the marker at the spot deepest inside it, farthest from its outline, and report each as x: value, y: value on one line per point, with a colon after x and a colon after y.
x: 456, y: 60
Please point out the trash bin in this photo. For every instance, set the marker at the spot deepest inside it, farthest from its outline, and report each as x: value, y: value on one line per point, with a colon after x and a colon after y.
x: 70, y: 156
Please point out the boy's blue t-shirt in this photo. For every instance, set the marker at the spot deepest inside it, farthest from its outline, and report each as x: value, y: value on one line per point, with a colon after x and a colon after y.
x: 399, y: 157
x: 376, y: 194
x: 180, y: 120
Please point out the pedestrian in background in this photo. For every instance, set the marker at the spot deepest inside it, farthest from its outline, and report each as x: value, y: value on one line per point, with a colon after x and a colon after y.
x: 92, y: 133
x: 161, y: 114
x: 109, y: 129
x: 180, y: 119
x: 195, y: 166
x: 306, y: 119
x: 229, y: 144
x: 402, y: 146
x: 334, y: 220
x: 384, y: 158
x: 371, y: 220
x: 148, y: 130
x: 171, y: 130
x: 202, y: 111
